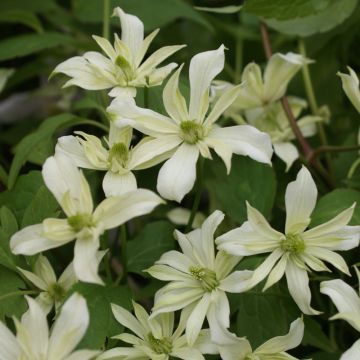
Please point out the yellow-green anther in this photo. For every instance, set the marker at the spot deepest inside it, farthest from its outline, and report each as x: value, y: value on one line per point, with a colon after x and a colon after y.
x: 119, y: 155
x: 293, y: 243
x: 56, y: 291
x: 191, y: 131
x: 206, y: 276
x: 125, y: 67
x: 80, y: 221
x: 160, y: 346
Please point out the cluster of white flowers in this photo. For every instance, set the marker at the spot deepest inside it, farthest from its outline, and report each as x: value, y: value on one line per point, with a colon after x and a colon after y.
x: 205, y: 270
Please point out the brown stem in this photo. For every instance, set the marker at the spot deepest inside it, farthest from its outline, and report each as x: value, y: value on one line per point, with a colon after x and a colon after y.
x: 326, y: 149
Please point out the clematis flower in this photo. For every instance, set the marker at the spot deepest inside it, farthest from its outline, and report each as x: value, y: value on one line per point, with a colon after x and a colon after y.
x: 83, y: 223
x: 123, y: 69
x: 53, y: 289
x: 156, y: 339
x: 350, y: 85
x: 298, y: 250
x: 347, y: 301
x: 272, y: 349
x: 33, y: 341
x: 189, y: 132
x: 117, y: 158
x: 199, y: 280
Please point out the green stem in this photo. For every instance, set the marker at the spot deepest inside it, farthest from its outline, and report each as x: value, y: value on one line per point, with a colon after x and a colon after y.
x: 18, y: 293
x: 198, y: 191
x: 3, y: 175
x: 106, y: 19
x: 123, y: 247
x: 238, y: 60
x: 95, y: 123
x: 310, y: 93
x: 353, y: 168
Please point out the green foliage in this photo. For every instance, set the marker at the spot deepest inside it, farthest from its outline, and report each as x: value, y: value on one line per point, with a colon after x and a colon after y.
x: 155, y: 239
x: 24, y: 17
x: 248, y: 181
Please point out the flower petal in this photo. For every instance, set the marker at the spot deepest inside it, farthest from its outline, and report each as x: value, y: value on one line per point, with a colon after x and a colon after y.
x: 203, y: 69
x: 283, y: 343
x: 187, y: 353
x: 353, y: 352
x: 9, y: 347
x: 287, y: 152
x: 300, y: 200
x: 83, y: 355
x: 118, y: 184
x: 245, y: 140
x: 350, y: 85
x: 58, y: 230
x: 177, y: 176
x: 69, y: 327
x: 298, y: 284
x: 114, y: 211
x: 236, y: 282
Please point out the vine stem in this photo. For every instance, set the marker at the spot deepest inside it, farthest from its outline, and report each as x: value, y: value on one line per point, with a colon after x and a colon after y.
x: 306, y: 147
x: 106, y: 19
x: 17, y: 293
x: 198, y: 191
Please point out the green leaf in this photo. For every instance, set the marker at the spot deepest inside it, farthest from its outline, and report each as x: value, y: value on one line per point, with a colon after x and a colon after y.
x: 248, y: 181
x: 102, y: 322
x: 25, y: 5
x: 24, y: 45
x: 154, y: 14
x: 333, y: 15
x: 314, y: 335
x: 42, y: 206
x: 23, y: 17
x: 8, y: 221
x: 12, y: 302
x: 155, y: 239
x: 4, y: 76
x: 285, y: 9
x: 333, y: 203
x: 30, y: 143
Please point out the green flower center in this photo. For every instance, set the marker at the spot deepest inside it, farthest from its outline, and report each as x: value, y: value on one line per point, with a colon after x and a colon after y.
x: 119, y: 155
x: 191, y: 132
x: 293, y: 243
x: 160, y: 346
x: 56, y: 291
x: 125, y: 67
x: 80, y: 221
x: 205, y: 276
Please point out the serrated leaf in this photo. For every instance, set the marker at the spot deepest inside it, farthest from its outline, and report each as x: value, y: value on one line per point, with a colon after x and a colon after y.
x: 23, y: 17
x: 248, y: 181
x: 24, y: 45
x: 333, y: 203
x: 158, y: 14
x: 155, y: 239
x: 42, y: 206
x: 102, y: 322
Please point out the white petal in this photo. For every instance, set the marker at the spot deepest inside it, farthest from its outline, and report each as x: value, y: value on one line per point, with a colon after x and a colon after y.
x: 30, y: 241
x: 167, y: 273
x: 157, y: 76
x: 277, y: 272
x: 245, y: 140
x: 298, y: 284
x: 118, y: 184
x: 106, y: 47
x: 196, y: 319
x: 225, y: 263
x: 300, y: 200
x: 287, y: 152
x: 114, y: 211
x: 177, y: 260
x: 236, y: 351
x: 283, y: 343
x: 34, y: 279
x: 44, y: 270
x: 58, y: 230
x: 123, y: 93
x: 353, y: 352
x: 68, y: 278
x: 203, y: 69
x: 83, y: 355
x: 279, y: 71
x: 174, y: 101
x: 9, y: 348
x: 187, y: 353
x: 132, y: 31
x: 177, y: 176
x: 223, y: 150
x: 345, y: 299
x: 128, y: 320
x: 180, y: 216
x: 350, y: 84
x: 144, y: 47
x: 69, y: 327
x: 236, y: 282
x: 86, y: 262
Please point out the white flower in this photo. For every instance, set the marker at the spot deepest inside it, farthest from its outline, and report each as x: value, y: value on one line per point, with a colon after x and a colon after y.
x: 33, y: 341
x: 83, y: 223
x: 181, y: 216
x: 189, y: 131
x: 156, y: 339
x: 118, y: 159
x: 53, y: 289
x: 123, y: 70
x: 350, y: 85
x: 199, y: 280
x: 298, y: 250
x: 272, y: 349
x: 347, y: 301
